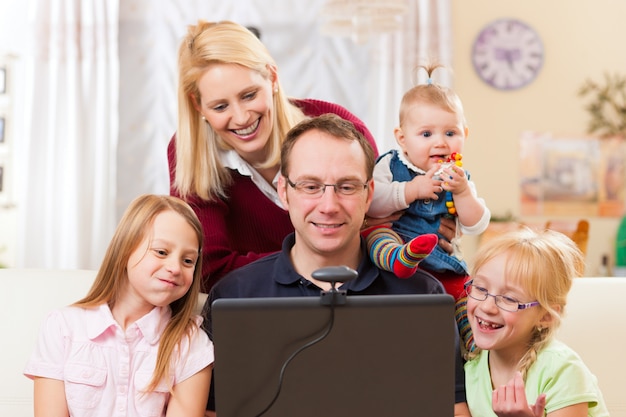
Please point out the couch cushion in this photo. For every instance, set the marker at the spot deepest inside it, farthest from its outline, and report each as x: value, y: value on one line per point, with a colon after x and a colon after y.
x: 594, y: 325
x: 26, y: 296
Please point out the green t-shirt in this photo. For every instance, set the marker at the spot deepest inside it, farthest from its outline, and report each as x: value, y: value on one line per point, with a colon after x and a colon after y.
x: 558, y: 372
x: 620, y: 244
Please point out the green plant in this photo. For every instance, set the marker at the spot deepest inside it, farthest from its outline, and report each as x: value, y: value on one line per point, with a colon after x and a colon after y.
x: 607, y: 106
x: 506, y: 218
x: 2, y: 249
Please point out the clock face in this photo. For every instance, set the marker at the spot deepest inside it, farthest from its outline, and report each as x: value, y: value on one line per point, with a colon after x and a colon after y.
x: 507, y: 54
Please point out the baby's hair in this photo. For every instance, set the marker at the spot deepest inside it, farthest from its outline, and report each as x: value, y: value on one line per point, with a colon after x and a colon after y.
x: 544, y: 263
x: 431, y: 93
x: 112, y: 276
x: 429, y: 69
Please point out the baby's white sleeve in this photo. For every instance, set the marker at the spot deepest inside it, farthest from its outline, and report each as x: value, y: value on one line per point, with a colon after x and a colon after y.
x: 483, y: 223
x: 388, y: 194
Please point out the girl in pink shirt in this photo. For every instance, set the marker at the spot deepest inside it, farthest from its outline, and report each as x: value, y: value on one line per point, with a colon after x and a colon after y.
x: 131, y: 346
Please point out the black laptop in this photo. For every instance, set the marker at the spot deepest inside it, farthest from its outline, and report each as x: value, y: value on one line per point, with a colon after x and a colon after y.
x: 389, y: 356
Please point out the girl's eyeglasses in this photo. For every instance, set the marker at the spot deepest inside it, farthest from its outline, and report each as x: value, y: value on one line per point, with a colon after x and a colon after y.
x: 504, y: 302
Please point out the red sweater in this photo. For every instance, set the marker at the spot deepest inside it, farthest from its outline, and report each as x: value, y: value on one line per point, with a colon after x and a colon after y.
x: 247, y: 225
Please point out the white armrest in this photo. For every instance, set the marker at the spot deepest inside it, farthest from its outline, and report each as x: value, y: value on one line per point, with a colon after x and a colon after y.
x: 27, y: 295
x: 594, y: 326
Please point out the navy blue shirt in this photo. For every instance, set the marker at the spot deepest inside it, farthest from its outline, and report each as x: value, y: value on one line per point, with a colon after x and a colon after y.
x: 275, y: 276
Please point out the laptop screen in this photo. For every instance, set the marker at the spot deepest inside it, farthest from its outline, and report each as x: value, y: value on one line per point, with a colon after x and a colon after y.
x: 383, y: 355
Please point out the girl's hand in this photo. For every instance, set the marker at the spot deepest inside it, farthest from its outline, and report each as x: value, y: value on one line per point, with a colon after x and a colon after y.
x: 510, y: 400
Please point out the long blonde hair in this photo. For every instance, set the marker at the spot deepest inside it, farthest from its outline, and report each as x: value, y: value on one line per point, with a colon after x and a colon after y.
x: 431, y: 93
x: 112, y: 276
x: 544, y: 264
x: 199, y: 170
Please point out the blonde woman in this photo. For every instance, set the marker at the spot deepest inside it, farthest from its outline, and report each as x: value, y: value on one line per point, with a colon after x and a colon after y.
x: 225, y: 157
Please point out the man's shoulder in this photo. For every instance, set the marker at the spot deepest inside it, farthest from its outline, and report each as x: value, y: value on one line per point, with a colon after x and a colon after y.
x: 253, y: 268
x: 433, y: 282
x: 421, y: 282
x: 248, y: 279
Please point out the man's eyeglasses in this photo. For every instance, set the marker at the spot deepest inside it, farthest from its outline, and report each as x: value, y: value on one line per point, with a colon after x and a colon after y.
x: 504, y: 302
x: 316, y: 189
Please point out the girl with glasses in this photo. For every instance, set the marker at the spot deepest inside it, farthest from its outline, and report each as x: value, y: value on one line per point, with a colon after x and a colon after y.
x: 516, y: 298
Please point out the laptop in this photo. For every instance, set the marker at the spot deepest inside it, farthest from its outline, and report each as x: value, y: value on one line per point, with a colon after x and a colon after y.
x: 383, y: 355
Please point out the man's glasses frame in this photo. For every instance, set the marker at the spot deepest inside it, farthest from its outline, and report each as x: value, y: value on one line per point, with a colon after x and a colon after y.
x: 316, y: 189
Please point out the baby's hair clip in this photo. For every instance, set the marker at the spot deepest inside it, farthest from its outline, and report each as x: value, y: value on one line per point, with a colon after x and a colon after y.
x: 429, y: 81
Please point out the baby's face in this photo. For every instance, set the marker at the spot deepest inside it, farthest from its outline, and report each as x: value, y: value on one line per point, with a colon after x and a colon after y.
x: 430, y: 134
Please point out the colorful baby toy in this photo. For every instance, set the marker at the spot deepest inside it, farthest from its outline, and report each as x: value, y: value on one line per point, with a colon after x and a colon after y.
x: 454, y: 159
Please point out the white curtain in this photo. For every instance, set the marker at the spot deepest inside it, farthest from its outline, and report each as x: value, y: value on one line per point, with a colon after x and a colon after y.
x: 67, y: 158
x: 426, y: 36
x: 149, y: 33
x: 86, y: 154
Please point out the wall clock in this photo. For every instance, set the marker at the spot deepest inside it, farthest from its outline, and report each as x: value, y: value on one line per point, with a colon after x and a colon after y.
x: 507, y: 54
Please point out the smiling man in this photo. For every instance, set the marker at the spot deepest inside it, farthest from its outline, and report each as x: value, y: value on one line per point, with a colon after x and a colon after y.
x: 326, y: 186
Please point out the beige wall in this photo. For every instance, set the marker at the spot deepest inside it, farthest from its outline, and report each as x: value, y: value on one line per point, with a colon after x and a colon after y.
x: 582, y: 39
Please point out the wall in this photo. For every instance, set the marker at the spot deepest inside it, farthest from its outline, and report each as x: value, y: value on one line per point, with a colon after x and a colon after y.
x: 582, y: 40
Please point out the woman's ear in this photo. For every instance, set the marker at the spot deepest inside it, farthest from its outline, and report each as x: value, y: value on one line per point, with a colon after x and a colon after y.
x: 273, y: 76
x: 194, y: 102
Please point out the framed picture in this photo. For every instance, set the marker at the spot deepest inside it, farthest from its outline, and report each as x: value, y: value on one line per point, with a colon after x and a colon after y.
x: 572, y: 176
x: 3, y: 80
x: 2, y: 128
x: 1, y: 178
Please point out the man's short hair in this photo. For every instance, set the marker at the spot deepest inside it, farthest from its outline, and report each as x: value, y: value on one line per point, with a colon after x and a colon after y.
x: 333, y: 125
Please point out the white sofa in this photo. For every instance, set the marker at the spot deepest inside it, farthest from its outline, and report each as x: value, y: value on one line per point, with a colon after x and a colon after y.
x: 26, y: 296
x: 594, y: 326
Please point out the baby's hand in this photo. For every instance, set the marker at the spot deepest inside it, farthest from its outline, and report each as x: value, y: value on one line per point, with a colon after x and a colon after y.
x: 423, y: 187
x: 453, y: 179
x: 510, y: 400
